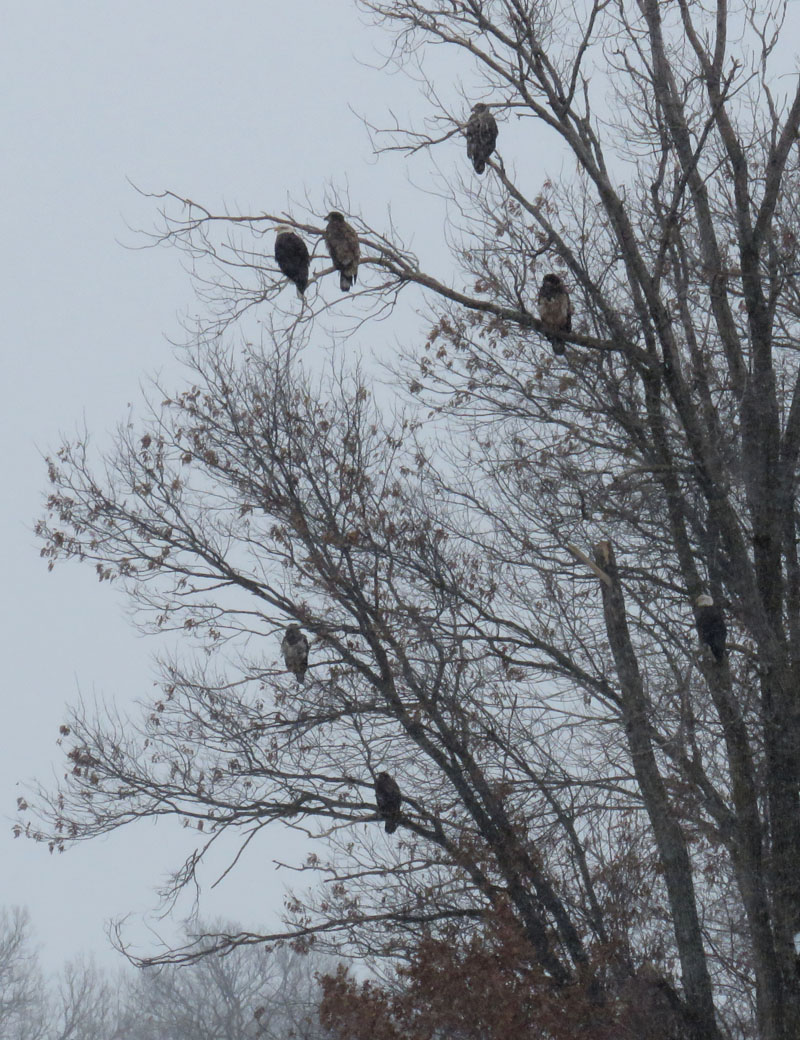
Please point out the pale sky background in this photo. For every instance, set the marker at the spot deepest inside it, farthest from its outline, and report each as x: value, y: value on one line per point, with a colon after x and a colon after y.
x: 231, y: 104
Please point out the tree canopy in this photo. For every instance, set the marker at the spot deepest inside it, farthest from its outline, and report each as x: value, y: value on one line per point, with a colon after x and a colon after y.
x: 495, y: 560
x: 253, y: 993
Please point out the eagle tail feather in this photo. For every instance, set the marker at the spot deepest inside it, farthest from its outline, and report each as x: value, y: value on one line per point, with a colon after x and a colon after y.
x: 558, y: 345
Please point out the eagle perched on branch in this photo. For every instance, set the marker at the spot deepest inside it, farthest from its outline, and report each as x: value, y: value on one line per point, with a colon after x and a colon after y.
x: 481, y: 136
x: 294, y: 647
x: 342, y: 243
x: 291, y: 255
x: 388, y: 797
x: 555, y: 309
x: 710, y: 624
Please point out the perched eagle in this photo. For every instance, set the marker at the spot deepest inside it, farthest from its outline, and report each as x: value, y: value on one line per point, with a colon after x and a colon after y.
x: 342, y: 243
x: 388, y: 797
x: 555, y: 309
x: 294, y: 646
x: 481, y: 136
x: 710, y: 625
x: 291, y: 255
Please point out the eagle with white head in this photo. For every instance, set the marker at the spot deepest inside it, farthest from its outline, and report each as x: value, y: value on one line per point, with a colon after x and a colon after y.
x: 711, y: 626
x: 291, y: 256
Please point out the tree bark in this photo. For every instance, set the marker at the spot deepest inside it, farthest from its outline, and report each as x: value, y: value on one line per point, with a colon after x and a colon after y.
x: 673, y: 851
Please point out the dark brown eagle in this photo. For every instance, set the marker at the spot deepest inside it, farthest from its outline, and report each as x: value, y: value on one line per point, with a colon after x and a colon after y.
x: 294, y: 646
x: 710, y: 625
x: 291, y: 255
x: 342, y: 243
x: 388, y: 797
x: 481, y: 136
x: 555, y: 309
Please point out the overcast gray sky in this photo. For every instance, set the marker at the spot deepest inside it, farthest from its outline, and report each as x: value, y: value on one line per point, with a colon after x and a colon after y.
x: 234, y: 104
x: 230, y: 104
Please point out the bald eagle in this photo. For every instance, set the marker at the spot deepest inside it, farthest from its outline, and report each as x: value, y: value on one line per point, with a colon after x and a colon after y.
x: 710, y: 625
x: 481, y: 136
x: 342, y: 243
x: 555, y: 309
x: 294, y: 646
x: 291, y: 255
x: 388, y: 797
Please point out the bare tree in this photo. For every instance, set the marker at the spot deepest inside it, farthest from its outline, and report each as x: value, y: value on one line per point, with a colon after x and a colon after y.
x: 88, y: 1003
x: 22, y: 1016
x: 251, y: 992
x: 82, y: 1004
x: 500, y: 601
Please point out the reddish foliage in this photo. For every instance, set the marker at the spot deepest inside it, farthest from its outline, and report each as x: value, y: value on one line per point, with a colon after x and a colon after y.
x: 487, y: 988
